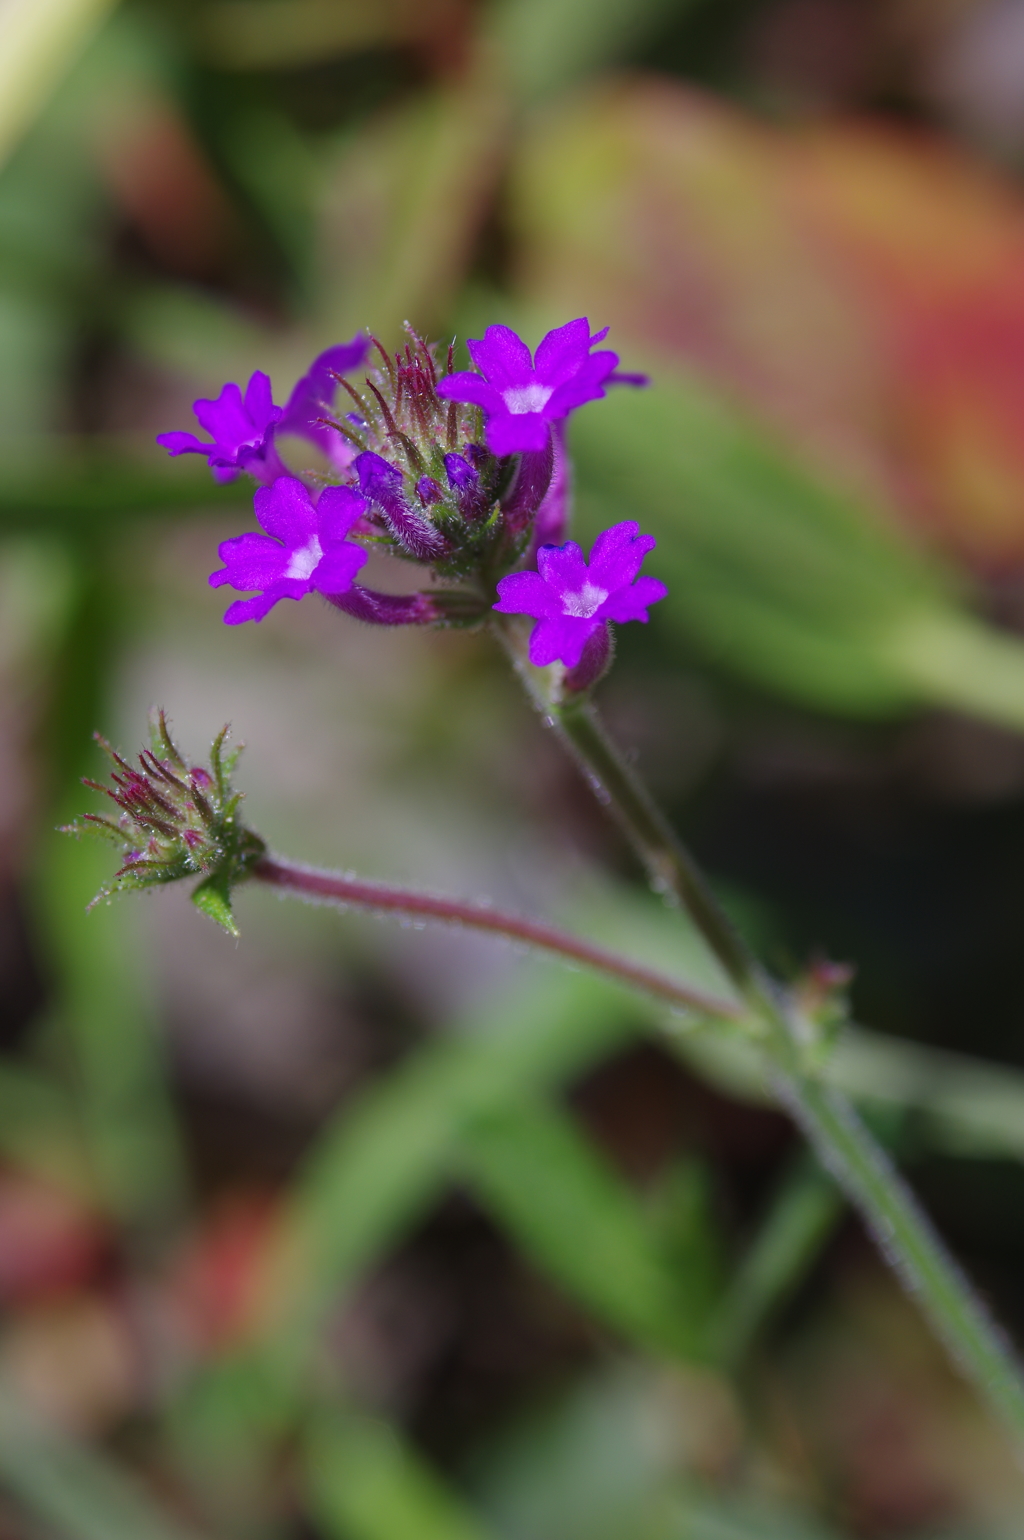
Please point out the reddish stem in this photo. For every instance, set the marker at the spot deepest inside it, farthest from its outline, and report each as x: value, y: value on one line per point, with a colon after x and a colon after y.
x: 380, y: 898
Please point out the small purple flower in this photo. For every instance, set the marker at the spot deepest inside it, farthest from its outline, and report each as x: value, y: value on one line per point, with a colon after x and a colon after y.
x: 571, y: 601
x: 521, y: 396
x: 304, y: 549
x: 242, y: 430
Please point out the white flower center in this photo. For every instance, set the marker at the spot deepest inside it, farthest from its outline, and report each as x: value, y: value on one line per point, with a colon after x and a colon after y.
x: 585, y: 602
x: 304, y: 561
x: 528, y: 398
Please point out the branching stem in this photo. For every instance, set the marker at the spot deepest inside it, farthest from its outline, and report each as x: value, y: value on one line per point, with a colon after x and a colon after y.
x: 828, y: 1120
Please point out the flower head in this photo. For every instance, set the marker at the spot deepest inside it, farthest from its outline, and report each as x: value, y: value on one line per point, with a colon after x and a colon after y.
x: 521, y: 396
x: 175, y: 820
x: 572, y: 600
x: 304, y: 548
x: 241, y: 429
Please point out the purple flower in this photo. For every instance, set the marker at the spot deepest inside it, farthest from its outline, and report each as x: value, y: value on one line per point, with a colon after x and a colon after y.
x: 520, y: 396
x: 242, y: 430
x: 313, y: 396
x: 572, y: 601
x: 304, y: 549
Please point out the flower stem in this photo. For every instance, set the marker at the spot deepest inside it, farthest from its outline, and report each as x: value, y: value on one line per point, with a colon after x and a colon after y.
x: 381, y: 898
x: 909, y: 1243
x: 845, y: 1147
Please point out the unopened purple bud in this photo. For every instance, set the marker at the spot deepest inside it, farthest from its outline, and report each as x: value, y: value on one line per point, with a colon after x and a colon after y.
x: 428, y: 491
x: 477, y: 455
x: 383, y: 485
x: 200, y: 777
x: 459, y: 472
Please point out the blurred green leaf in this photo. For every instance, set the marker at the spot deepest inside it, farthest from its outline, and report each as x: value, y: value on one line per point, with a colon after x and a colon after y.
x: 74, y: 1491
x: 609, y: 1462
x: 365, y: 1482
x: 285, y: 34
x: 569, y: 1210
x: 550, y: 44
x: 102, y: 1006
x: 782, y: 578
x: 801, y: 1217
x: 403, y: 203
x: 39, y: 40
x: 80, y: 487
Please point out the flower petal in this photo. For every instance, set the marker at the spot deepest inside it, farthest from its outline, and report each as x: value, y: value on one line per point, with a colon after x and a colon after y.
x: 183, y: 444
x: 587, y: 384
x: 250, y: 561
x: 561, y: 638
x: 336, y: 571
x: 631, y: 603
x: 526, y: 593
x: 253, y: 609
x: 337, y: 509
x: 259, y: 402
x: 618, y: 554
x: 285, y: 510
x: 225, y: 418
x: 470, y: 388
x: 502, y: 357
x: 563, y: 567
x: 516, y: 433
x: 563, y: 352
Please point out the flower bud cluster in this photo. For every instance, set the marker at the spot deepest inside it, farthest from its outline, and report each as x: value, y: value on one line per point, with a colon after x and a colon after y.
x: 431, y: 483
x: 175, y: 820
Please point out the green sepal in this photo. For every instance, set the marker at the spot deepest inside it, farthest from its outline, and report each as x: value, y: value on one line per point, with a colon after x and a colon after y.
x: 213, y: 897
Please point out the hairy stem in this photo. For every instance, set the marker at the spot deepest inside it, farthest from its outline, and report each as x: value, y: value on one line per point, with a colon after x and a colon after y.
x: 381, y: 898
x: 844, y: 1146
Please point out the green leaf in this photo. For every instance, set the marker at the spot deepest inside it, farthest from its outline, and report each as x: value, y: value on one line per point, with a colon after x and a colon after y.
x: 548, y: 44
x: 777, y: 575
x: 39, y: 40
x: 364, y: 1482
x: 75, y: 1492
x: 569, y: 1210
x: 801, y: 1217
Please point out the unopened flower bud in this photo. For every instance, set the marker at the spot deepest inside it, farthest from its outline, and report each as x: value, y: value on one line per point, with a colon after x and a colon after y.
x: 175, y: 820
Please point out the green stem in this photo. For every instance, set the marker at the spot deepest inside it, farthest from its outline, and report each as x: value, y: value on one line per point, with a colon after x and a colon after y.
x: 909, y: 1242
x: 843, y: 1144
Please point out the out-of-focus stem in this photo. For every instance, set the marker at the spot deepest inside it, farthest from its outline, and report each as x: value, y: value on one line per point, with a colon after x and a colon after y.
x: 843, y: 1145
x: 381, y: 898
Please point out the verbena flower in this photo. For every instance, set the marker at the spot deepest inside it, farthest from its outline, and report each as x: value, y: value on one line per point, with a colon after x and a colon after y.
x: 175, y: 820
x: 521, y: 396
x: 241, y: 429
x: 303, y: 551
x: 572, y: 601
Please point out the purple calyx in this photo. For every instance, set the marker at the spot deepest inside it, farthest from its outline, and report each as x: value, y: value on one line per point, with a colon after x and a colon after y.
x: 572, y: 600
x: 521, y: 395
x: 303, y: 551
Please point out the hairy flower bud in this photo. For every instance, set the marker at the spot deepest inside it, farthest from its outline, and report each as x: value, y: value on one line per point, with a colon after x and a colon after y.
x: 175, y: 820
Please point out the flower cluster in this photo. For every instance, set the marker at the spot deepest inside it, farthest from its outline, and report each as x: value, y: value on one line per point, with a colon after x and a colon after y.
x: 463, y: 472
x: 175, y: 820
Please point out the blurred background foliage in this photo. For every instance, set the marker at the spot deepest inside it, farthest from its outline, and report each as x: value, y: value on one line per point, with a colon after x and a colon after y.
x: 357, y: 1233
